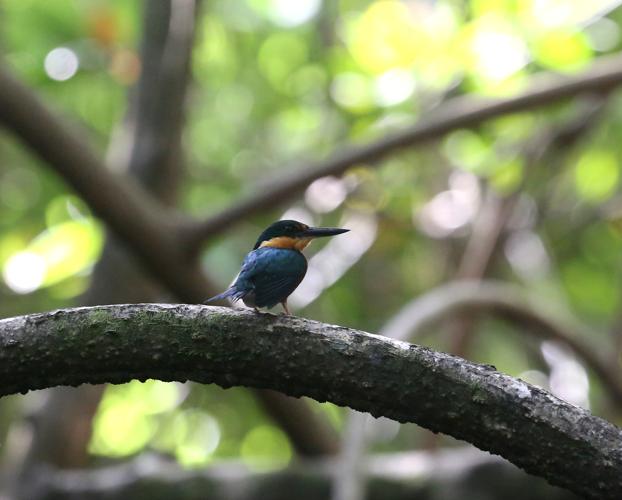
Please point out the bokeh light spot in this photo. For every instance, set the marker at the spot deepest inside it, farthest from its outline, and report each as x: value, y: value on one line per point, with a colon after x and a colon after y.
x: 24, y: 272
x: 61, y: 64
x: 352, y: 91
x: 325, y: 194
x: 394, y: 86
x: 266, y: 448
x: 288, y: 13
x: 596, y: 175
x: 498, y: 55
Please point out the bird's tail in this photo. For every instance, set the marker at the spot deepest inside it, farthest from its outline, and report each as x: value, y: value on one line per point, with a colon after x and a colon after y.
x: 221, y: 296
x: 232, y: 293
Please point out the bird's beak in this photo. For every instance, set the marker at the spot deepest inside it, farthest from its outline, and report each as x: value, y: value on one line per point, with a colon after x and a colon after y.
x: 316, y: 232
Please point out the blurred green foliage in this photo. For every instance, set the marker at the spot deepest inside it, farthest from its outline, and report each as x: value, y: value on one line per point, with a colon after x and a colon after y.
x: 276, y: 82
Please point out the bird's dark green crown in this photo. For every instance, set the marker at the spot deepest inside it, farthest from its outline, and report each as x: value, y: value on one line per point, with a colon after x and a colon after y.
x: 290, y: 228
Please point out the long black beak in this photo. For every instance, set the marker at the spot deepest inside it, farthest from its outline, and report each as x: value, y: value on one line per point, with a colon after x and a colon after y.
x: 316, y: 232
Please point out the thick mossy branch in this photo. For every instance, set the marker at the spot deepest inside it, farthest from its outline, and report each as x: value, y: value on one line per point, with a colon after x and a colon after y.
x: 534, y: 430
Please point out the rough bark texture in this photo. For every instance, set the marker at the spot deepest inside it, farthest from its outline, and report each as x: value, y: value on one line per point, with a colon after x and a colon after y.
x: 536, y: 431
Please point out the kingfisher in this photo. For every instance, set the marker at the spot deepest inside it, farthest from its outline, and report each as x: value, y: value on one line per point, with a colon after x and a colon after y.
x: 275, y: 266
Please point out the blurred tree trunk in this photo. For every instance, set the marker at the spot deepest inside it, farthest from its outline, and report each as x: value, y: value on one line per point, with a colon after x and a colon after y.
x: 148, y: 144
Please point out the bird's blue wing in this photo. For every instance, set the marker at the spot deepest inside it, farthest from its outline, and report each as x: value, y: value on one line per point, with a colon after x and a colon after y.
x: 272, y: 274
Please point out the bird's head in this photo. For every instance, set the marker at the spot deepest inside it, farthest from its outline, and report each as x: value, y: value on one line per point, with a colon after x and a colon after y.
x: 293, y: 234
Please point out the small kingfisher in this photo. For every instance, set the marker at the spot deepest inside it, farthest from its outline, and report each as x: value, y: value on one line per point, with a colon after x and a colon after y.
x: 275, y: 266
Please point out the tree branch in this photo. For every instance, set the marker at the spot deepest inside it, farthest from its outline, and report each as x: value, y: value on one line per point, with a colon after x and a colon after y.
x: 534, y: 430
x: 158, y: 107
x: 460, y: 112
x: 397, y: 476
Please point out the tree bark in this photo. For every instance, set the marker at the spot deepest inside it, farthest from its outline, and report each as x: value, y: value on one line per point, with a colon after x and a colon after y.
x: 536, y: 431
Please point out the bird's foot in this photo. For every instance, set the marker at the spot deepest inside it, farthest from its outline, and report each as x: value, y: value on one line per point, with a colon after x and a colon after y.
x: 284, y: 304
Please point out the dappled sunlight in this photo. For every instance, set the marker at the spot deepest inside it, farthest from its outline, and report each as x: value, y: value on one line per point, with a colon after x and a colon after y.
x: 527, y: 255
x: 352, y: 91
x: 265, y: 448
x: 552, y: 13
x: 450, y: 210
x: 325, y: 194
x: 393, y: 34
x: 194, y: 436
x: 127, y: 416
x: 597, y: 175
x: 24, y: 272
x: 63, y: 250
x: 498, y: 53
x: 288, y: 14
x: 394, y: 87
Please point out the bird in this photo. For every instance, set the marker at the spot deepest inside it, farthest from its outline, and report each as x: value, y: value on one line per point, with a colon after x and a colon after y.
x: 275, y: 266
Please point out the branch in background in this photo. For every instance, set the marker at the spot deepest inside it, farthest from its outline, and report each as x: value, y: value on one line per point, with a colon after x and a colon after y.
x: 399, y: 476
x: 405, y: 382
x: 507, y: 301
x: 143, y: 224
x: 461, y: 112
x: 349, y: 479
x: 310, y: 432
x: 158, y: 108
x: 148, y: 228
x: 147, y: 145
x: 481, y: 249
x: 490, y: 225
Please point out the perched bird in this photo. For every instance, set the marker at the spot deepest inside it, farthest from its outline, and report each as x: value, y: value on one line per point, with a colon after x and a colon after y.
x: 275, y: 266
